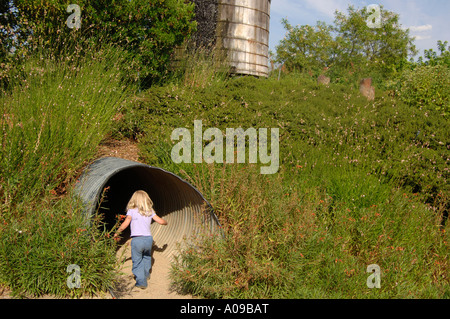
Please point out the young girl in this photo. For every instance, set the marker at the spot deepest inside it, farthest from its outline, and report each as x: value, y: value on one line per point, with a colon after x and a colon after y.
x: 140, y: 213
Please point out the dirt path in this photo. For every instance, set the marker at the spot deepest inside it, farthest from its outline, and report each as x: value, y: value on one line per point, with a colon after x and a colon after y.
x: 126, y: 149
x: 158, y: 284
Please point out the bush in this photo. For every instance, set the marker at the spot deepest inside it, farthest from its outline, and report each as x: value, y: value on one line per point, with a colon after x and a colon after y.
x: 389, y: 138
x: 427, y: 87
x: 149, y: 30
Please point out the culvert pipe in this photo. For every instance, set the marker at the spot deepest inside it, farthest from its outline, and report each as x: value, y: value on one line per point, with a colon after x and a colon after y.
x: 108, y: 183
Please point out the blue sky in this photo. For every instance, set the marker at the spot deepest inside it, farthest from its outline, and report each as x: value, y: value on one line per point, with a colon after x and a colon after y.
x: 428, y: 20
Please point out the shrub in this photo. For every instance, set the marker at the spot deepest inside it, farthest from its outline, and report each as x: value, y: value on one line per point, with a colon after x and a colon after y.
x: 427, y: 87
x: 149, y: 30
x: 387, y: 137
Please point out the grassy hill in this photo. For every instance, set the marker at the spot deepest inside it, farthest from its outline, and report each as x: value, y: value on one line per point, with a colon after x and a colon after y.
x: 360, y: 182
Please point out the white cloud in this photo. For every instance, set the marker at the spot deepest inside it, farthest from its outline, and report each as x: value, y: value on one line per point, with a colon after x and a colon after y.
x: 421, y: 32
x: 328, y: 7
x: 421, y: 28
x: 422, y: 37
x: 285, y: 8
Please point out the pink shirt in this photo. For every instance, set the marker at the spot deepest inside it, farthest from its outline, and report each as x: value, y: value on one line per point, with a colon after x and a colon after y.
x: 140, y: 225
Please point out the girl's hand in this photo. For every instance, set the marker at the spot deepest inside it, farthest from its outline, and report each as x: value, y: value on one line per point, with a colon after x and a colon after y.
x: 159, y: 220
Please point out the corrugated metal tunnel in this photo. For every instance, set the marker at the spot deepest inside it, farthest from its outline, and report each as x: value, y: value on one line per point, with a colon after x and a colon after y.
x: 182, y: 205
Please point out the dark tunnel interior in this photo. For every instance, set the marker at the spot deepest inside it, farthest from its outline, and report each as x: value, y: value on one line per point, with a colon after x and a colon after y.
x: 118, y: 191
x: 121, y: 186
x: 175, y: 200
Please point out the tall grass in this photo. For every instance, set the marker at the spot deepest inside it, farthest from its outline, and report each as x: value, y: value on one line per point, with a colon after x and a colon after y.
x: 36, y: 250
x: 287, y: 237
x: 53, y: 117
x: 360, y: 183
x: 198, y: 66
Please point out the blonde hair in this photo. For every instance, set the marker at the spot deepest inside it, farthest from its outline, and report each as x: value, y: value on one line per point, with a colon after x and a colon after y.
x: 142, y: 202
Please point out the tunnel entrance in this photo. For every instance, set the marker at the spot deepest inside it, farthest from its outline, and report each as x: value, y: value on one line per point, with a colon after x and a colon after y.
x: 178, y: 202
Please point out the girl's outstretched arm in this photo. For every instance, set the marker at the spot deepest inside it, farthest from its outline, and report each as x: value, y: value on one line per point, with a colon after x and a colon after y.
x: 159, y: 220
x: 124, y: 225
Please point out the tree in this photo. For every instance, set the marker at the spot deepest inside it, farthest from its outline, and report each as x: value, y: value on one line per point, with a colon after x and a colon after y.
x: 350, y: 47
x: 426, y: 84
x: 433, y: 59
x: 7, y: 20
x: 382, y: 50
x: 148, y: 30
x: 306, y: 48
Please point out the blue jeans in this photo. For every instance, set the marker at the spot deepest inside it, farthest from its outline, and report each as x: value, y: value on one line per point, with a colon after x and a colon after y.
x: 141, y: 249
